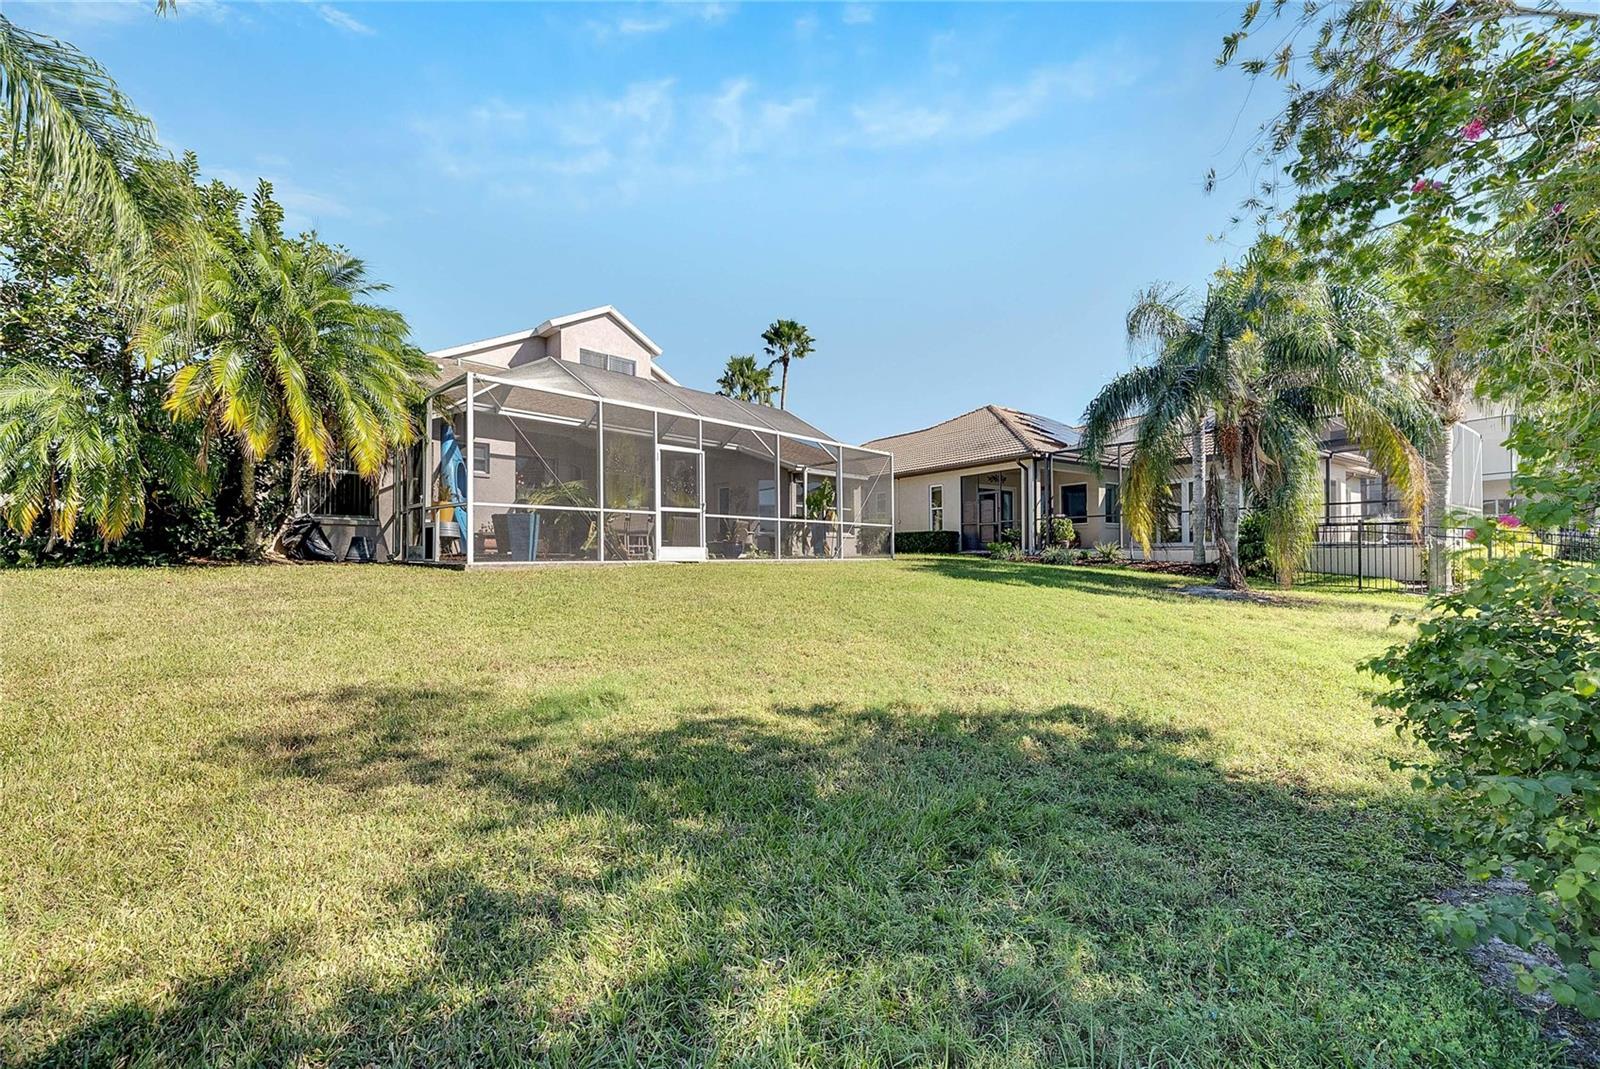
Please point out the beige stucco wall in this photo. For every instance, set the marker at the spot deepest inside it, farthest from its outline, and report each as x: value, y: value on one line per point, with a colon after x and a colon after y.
x: 911, y: 496
x: 1095, y: 529
x: 1493, y: 422
x: 510, y: 354
x: 602, y: 334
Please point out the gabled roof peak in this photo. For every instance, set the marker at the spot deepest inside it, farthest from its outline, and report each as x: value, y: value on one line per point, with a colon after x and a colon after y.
x: 549, y: 327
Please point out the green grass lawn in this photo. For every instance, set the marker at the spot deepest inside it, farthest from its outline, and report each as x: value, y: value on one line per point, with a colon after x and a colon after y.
x: 900, y: 813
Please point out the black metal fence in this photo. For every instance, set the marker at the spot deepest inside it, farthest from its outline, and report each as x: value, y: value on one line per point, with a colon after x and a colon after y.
x: 1392, y: 555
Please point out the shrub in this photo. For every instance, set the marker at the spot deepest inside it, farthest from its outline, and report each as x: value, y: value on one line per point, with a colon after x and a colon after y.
x: 1253, y: 545
x: 1108, y: 552
x: 927, y: 542
x: 1060, y: 531
x: 1499, y: 685
x: 1060, y: 553
x: 1005, y: 551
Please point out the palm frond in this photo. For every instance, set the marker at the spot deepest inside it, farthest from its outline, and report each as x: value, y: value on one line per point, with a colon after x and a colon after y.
x: 76, y: 129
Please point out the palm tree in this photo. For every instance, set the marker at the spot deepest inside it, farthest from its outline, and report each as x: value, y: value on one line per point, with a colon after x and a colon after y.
x: 745, y: 380
x: 80, y: 134
x: 1444, y: 367
x: 786, y: 340
x: 279, y: 339
x: 1261, y: 364
x: 76, y: 445
x: 82, y: 434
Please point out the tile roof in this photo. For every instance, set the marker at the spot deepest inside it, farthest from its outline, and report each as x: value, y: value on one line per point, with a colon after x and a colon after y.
x: 982, y: 436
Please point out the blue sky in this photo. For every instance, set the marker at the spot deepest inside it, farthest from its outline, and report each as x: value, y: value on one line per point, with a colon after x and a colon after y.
x: 959, y: 201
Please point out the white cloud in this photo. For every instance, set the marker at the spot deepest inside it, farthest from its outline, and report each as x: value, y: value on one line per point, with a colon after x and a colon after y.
x: 898, y: 118
x: 343, y: 20
x: 806, y: 24
x: 857, y: 14
x: 651, y: 133
x: 641, y: 21
x: 591, y: 147
x: 637, y: 26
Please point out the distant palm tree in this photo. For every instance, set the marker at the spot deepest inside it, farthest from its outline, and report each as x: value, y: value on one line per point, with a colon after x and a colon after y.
x: 745, y: 380
x: 786, y: 340
x: 279, y: 339
x: 1262, y: 364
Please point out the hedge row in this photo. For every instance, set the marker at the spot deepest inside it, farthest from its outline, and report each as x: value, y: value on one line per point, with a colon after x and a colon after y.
x: 927, y: 541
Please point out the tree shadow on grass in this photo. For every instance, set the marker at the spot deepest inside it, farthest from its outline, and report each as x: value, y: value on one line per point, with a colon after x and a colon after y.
x: 822, y: 884
x: 1153, y: 586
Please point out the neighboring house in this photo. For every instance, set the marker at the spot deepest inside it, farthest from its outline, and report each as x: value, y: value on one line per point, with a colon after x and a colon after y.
x: 577, y: 445
x: 1491, y: 423
x: 996, y: 469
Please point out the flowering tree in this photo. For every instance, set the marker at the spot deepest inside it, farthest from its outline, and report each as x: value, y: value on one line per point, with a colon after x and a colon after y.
x: 1464, y: 139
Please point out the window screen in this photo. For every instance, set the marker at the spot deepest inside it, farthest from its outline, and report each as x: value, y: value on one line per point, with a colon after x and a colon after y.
x: 1075, y: 502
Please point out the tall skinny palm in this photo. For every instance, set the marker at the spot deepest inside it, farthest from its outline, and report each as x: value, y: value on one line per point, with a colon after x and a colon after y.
x: 1263, y: 363
x: 280, y: 340
x: 786, y: 340
x: 746, y: 380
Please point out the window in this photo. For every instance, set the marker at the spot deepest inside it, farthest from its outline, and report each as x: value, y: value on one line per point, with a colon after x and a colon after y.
x: 345, y: 494
x: 1172, y: 514
x: 1500, y: 506
x: 622, y: 364
x: 1375, y: 500
x: 480, y: 458
x: 1075, y: 502
x: 936, y: 508
x: 1113, y: 503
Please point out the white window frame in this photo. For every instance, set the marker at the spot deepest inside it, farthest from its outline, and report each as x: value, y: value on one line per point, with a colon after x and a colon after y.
x: 936, y: 510
x: 488, y: 460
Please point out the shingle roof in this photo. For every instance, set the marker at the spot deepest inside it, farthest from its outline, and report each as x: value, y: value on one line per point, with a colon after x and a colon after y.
x: 982, y: 436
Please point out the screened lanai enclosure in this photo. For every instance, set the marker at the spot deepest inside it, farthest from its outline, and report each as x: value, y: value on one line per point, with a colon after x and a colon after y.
x: 556, y: 461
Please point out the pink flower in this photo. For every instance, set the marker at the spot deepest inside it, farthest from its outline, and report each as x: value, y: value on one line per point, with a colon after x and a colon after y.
x: 1473, y: 130
x: 1472, y: 535
x: 1560, y: 206
x: 1419, y: 185
x: 1509, y: 520
x: 1551, y: 62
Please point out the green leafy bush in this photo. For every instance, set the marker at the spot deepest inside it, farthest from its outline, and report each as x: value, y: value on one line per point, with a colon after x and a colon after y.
x: 927, y: 542
x: 1005, y: 551
x: 1253, y: 545
x: 1060, y: 531
x: 1060, y: 553
x: 1500, y: 686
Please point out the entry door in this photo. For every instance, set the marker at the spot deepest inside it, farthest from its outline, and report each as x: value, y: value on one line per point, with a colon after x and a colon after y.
x: 680, y: 503
x: 988, y: 517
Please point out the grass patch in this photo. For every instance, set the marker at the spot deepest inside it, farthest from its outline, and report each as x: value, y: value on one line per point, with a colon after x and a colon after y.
x: 933, y: 811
